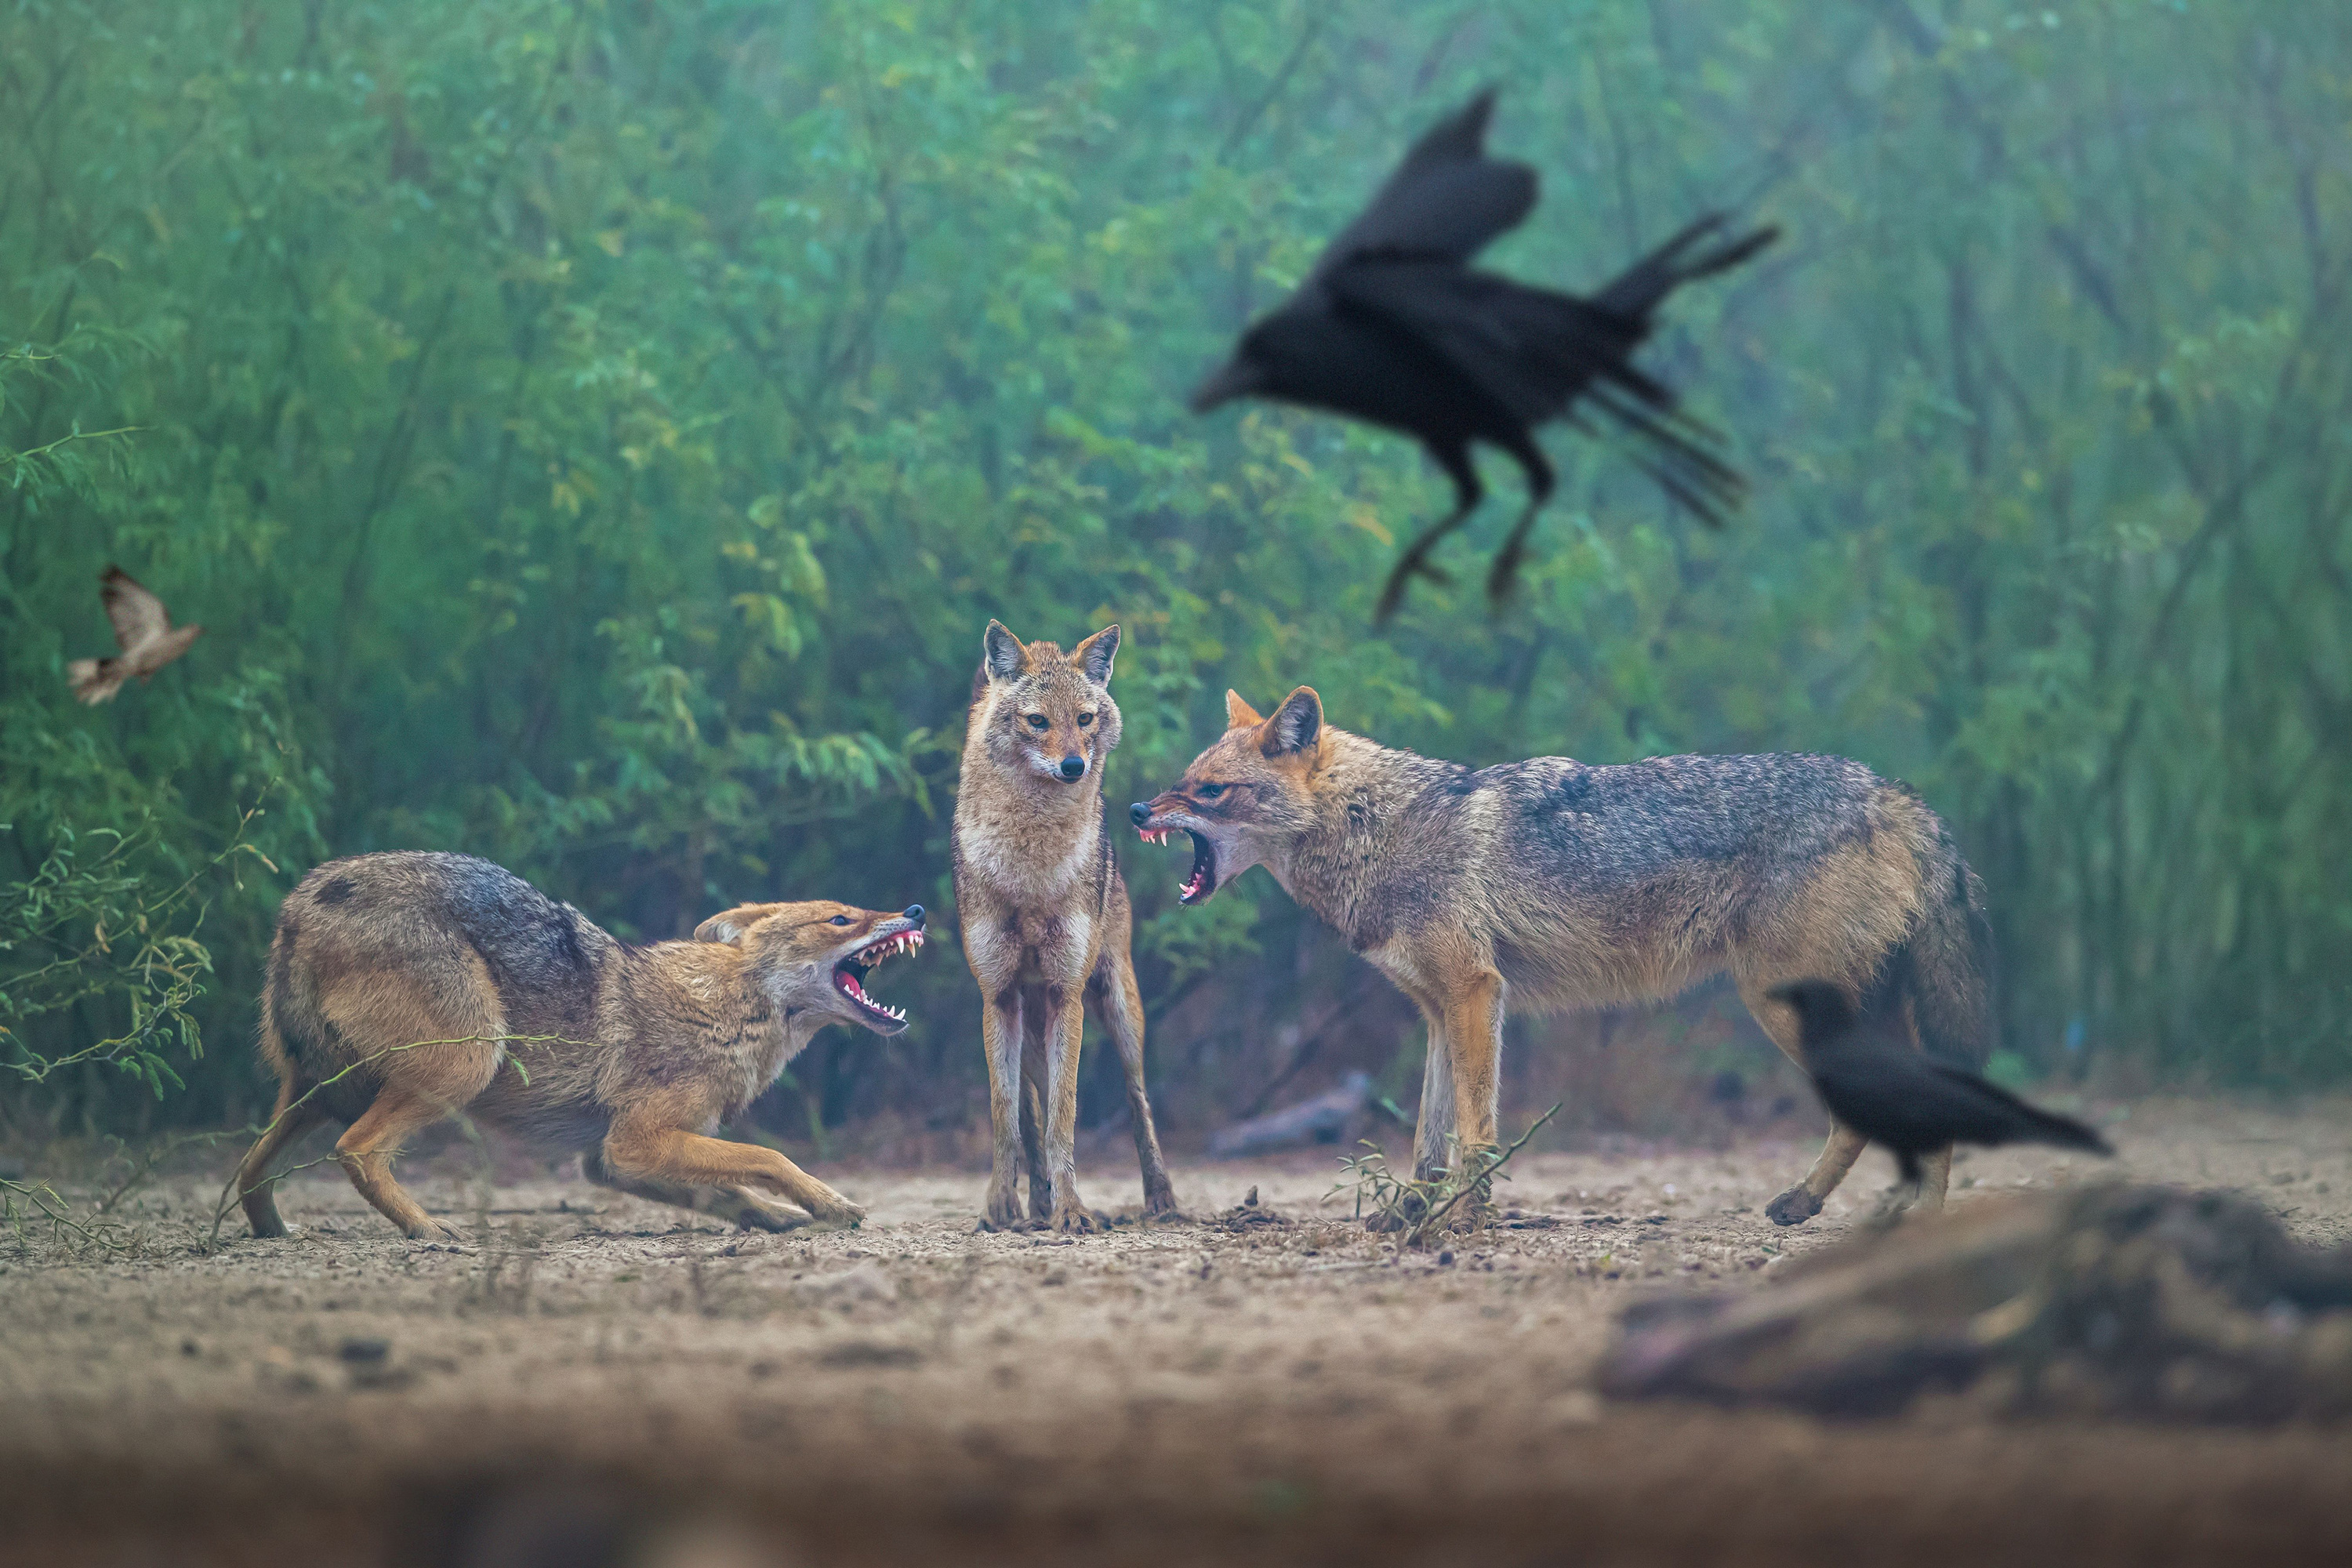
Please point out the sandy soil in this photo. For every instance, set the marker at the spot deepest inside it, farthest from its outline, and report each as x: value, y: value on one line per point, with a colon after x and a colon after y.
x: 1287, y: 1388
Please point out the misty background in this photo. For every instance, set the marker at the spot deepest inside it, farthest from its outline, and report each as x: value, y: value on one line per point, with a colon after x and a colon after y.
x: 593, y: 438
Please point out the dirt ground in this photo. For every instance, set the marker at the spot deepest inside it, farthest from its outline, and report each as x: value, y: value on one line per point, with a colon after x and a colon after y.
x: 621, y: 1383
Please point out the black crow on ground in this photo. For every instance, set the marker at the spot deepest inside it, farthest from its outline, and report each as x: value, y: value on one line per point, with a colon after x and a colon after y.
x: 1394, y: 327
x: 1876, y: 1080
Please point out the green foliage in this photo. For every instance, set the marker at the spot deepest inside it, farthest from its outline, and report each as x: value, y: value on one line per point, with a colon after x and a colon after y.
x: 1457, y: 1195
x: 2009, y: 1070
x: 593, y: 438
x: 97, y: 921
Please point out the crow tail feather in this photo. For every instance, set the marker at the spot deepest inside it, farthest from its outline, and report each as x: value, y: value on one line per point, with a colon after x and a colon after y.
x: 1637, y: 290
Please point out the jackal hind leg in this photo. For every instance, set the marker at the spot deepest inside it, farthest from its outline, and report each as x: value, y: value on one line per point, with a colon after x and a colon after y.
x: 256, y: 1189
x: 1803, y: 1201
x: 1778, y: 1022
x: 368, y: 1147
x: 1119, y: 1002
x: 1935, y: 1181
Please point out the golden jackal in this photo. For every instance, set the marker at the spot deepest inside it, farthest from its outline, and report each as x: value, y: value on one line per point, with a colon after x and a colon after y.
x: 1556, y: 885
x: 405, y: 986
x: 1046, y: 924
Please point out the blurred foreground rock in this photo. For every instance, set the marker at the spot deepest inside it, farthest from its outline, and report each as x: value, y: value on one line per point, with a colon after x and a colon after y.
x: 2134, y: 1302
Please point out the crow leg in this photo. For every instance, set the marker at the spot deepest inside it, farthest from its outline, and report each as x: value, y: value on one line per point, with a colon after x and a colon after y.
x: 1503, y: 575
x: 1467, y: 493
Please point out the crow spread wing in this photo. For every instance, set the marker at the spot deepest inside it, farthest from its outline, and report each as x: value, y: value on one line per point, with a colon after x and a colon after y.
x: 137, y: 615
x: 1530, y: 349
x: 1445, y: 202
x: 1534, y: 353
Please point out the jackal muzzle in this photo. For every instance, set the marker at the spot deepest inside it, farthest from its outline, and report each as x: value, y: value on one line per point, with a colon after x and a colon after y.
x: 904, y: 934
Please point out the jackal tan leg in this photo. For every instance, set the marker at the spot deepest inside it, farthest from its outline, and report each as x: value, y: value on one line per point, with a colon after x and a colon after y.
x: 368, y: 1147
x: 1064, y: 1029
x: 1935, y: 1181
x: 254, y: 1186
x: 1803, y: 1201
x: 1119, y: 1003
x: 739, y: 1205
x: 672, y: 1156
x: 1473, y: 1040
x: 1433, y: 1131
x: 1034, y: 1117
x: 999, y: 1027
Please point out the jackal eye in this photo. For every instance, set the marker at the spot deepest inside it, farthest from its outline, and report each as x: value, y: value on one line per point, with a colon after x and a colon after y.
x: 1210, y: 791
x: 838, y: 921
x: 1039, y: 721
x: 1085, y: 719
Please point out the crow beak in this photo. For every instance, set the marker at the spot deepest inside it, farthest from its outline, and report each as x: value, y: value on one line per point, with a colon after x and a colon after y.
x: 1237, y: 378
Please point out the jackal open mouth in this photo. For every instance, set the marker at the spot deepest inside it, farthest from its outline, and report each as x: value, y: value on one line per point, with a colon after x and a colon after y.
x: 1204, y: 879
x: 849, y: 976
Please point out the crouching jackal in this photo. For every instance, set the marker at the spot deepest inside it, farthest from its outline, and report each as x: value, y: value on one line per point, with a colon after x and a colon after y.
x: 1555, y: 885
x: 403, y: 987
x: 1046, y: 924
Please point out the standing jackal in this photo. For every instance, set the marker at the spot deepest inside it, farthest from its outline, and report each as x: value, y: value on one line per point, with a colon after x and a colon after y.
x: 1046, y: 925
x: 1556, y: 885
x: 405, y: 986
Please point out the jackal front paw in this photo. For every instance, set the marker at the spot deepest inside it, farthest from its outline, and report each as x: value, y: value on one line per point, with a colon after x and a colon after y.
x: 431, y: 1229
x: 838, y: 1210
x: 1794, y: 1206
x: 1469, y: 1215
x: 760, y: 1212
x: 1159, y: 1204
x: 1002, y: 1210
x: 1076, y: 1219
x: 1402, y: 1214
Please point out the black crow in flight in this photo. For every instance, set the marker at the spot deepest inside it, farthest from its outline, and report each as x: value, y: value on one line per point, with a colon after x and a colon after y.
x: 1877, y: 1081
x: 1394, y: 327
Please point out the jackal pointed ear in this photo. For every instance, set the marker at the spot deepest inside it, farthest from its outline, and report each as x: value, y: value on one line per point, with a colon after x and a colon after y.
x: 1001, y: 653
x: 1296, y: 724
x: 1094, y: 656
x: 1240, y: 715
x: 729, y: 925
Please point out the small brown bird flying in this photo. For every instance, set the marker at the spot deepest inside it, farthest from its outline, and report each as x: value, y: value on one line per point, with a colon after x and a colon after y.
x: 143, y: 630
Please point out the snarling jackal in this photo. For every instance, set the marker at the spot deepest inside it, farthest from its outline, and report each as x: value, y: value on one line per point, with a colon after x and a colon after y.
x: 403, y: 987
x: 1554, y: 885
x: 1046, y: 924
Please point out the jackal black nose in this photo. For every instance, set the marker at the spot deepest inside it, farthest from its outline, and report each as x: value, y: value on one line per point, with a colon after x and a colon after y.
x: 1073, y: 765
x: 915, y: 913
x: 1139, y: 813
